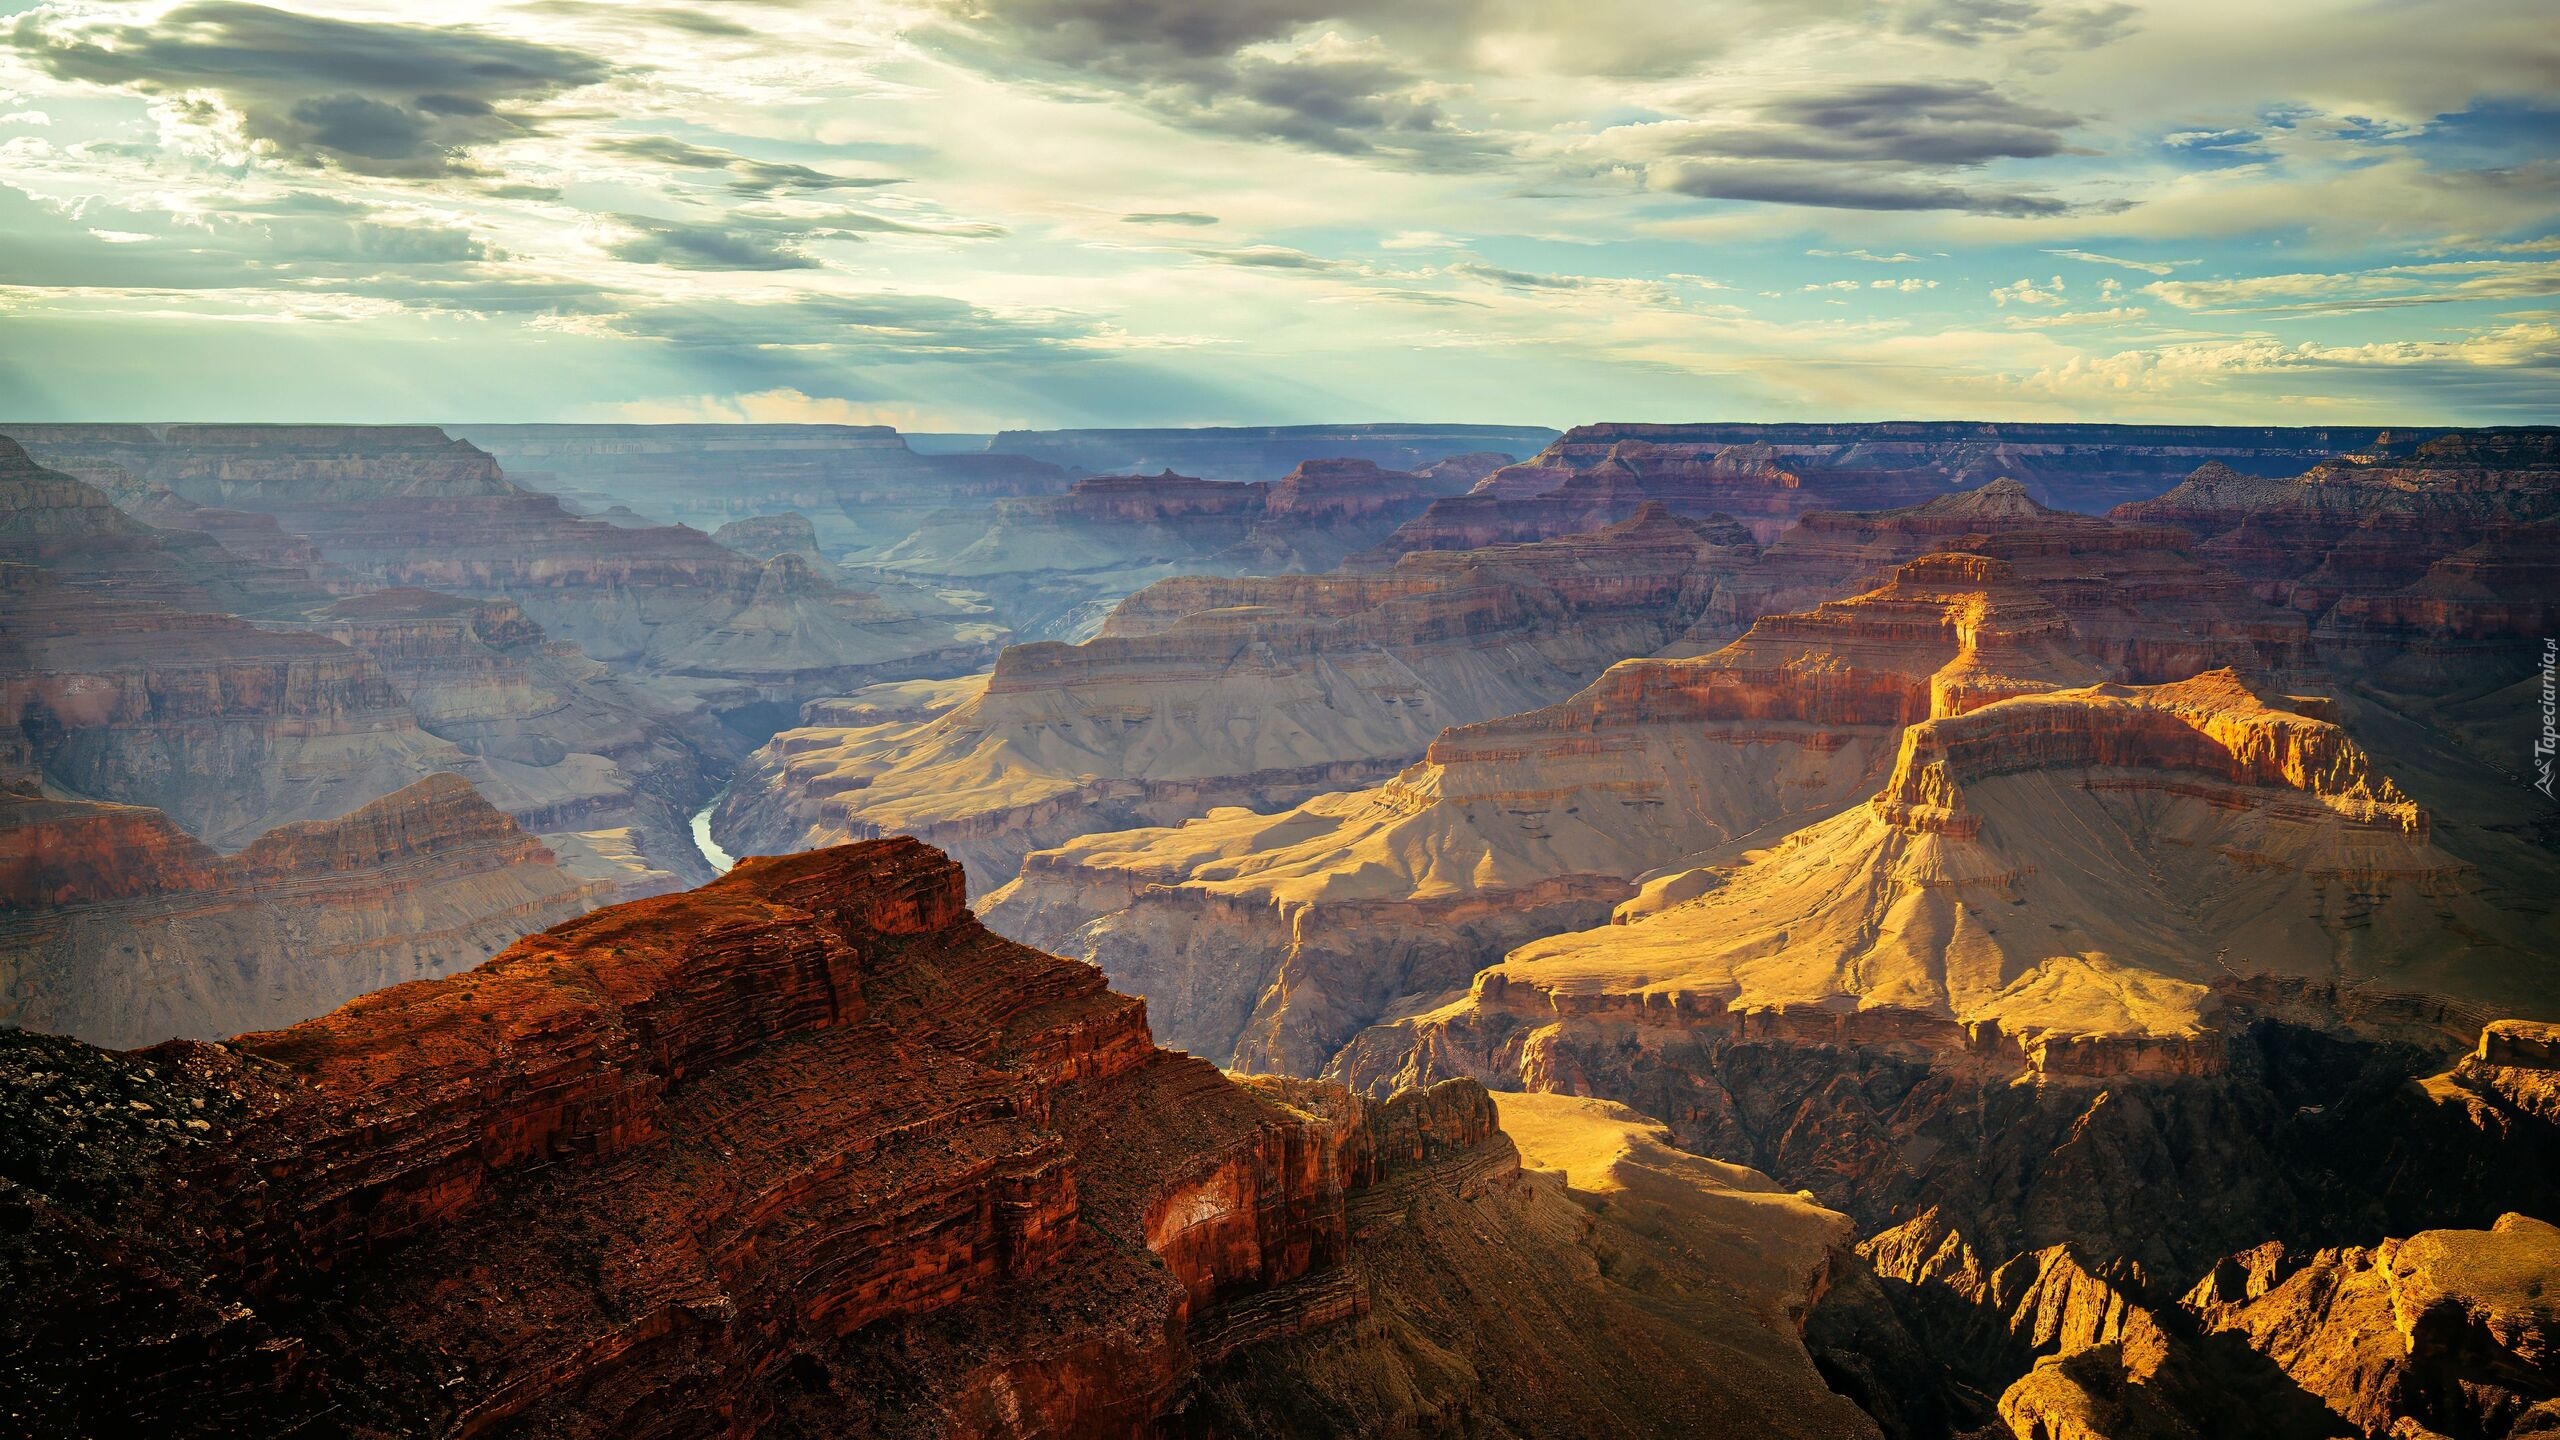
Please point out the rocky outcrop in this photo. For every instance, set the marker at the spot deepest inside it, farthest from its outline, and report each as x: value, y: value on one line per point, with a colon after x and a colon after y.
x: 118, y: 927
x: 1204, y: 692
x: 1274, y: 938
x: 861, y: 486
x: 409, y: 506
x: 1054, y: 565
x: 806, y: 1151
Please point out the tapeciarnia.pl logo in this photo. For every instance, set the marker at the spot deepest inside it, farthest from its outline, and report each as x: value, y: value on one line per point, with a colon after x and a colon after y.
x: 2544, y: 747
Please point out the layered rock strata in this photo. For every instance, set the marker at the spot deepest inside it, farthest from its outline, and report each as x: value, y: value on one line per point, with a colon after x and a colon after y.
x: 1205, y: 692
x: 2055, y: 882
x: 1272, y: 939
x: 805, y: 1151
x: 229, y: 728
x: 118, y: 927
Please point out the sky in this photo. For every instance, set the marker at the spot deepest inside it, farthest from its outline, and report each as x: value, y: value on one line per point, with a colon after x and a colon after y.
x: 973, y: 214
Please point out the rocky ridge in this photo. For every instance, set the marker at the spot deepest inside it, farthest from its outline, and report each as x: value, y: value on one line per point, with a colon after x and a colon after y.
x: 816, y: 1154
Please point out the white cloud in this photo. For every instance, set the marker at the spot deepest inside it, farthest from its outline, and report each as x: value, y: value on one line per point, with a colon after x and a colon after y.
x: 2028, y: 292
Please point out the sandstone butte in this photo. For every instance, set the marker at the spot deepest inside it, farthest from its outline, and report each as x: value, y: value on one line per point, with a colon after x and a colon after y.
x: 1275, y: 938
x: 808, y: 1151
x: 120, y: 928
x: 409, y: 506
x: 1768, y: 474
x: 1204, y: 692
x: 130, y: 685
x: 1053, y: 565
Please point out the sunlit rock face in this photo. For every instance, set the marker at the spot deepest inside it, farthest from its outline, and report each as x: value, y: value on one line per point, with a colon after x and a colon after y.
x: 118, y: 927
x: 808, y: 1149
x: 1275, y: 938
x: 1205, y: 692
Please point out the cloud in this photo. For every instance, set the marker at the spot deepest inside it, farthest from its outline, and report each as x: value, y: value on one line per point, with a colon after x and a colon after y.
x: 376, y: 99
x: 1269, y: 257
x: 827, y: 331
x: 684, y: 245
x: 1939, y: 123
x: 2148, y: 267
x: 1974, y: 22
x: 1896, y: 258
x: 1233, y: 67
x: 2027, y: 292
x: 1844, y: 188
x: 2384, y: 288
x: 748, y: 176
x: 1881, y: 145
x: 1169, y: 217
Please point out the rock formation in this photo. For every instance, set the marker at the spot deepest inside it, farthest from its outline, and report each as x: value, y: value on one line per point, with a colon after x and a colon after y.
x: 808, y: 1151
x: 1205, y: 692
x: 118, y: 927
x: 409, y: 506
x: 1273, y: 938
x: 1054, y: 565
x: 861, y: 486
x: 557, y: 740
x: 2074, y: 466
x: 2060, y: 878
x: 229, y: 728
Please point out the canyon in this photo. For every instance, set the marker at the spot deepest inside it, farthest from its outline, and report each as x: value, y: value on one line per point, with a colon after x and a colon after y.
x: 701, y: 624
x: 1205, y: 692
x: 1273, y: 938
x: 1788, y: 929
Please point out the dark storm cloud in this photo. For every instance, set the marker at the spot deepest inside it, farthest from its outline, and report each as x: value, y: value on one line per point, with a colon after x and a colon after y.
x: 1910, y: 122
x: 747, y: 176
x: 377, y: 99
x: 1846, y: 188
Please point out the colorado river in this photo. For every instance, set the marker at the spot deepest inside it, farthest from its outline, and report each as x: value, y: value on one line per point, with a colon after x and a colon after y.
x: 720, y: 859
